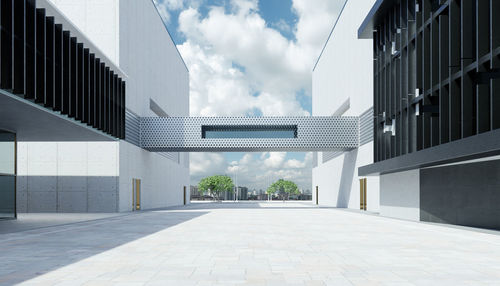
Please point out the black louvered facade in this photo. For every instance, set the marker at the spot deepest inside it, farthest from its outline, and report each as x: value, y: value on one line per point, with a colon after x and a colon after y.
x: 436, y: 73
x: 46, y: 64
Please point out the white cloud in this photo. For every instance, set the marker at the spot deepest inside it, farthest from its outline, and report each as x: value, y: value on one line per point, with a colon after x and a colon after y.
x: 207, y: 163
x: 297, y: 164
x: 167, y: 6
x: 238, y: 64
x: 273, y: 70
x: 275, y: 160
x: 315, y: 21
x: 282, y: 26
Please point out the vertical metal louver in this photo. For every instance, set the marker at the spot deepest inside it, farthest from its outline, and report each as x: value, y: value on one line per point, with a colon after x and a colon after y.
x: 436, y: 74
x: 132, y: 128
x: 366, y: 127
x: 43, y: 63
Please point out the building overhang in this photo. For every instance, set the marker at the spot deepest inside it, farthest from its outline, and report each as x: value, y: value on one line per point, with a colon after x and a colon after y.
x: 470, y: 148
x: 376, y: 14
x: 33, y: 122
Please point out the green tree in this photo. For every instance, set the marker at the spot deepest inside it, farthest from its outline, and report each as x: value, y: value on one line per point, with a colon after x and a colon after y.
x: 284, y: 188
x: 271, y: 191
x: 216, y: 185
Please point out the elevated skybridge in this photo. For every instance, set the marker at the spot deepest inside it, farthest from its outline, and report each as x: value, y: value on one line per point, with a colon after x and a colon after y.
x: 248, y: 134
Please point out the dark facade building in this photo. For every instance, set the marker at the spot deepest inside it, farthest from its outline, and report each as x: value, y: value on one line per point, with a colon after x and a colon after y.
x: 437, y: 109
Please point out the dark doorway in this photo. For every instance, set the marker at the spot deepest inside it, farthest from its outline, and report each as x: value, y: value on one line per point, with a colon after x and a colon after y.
x: 7, y: 175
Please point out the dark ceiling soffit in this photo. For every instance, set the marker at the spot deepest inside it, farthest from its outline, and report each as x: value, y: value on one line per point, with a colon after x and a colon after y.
x: 375, y: 15
x: 33, y: 122
x: 470, y: 148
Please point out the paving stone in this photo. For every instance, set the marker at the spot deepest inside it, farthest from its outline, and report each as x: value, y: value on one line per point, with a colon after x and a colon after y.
x: 270, y: 243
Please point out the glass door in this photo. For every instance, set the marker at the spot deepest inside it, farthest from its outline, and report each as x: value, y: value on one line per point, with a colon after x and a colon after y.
x: 7, y: 175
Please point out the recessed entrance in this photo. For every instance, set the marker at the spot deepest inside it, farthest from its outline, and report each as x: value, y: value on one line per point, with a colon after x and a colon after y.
x: 136, y: 194
x: 7, y: 175
x: 362, y: 194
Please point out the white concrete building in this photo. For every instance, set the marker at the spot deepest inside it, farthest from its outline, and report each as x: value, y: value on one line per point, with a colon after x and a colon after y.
x: 98, y: 176
x: 343, y: 86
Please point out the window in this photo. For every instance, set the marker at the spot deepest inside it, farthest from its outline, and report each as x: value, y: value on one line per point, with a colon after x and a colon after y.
x: 249, y: 131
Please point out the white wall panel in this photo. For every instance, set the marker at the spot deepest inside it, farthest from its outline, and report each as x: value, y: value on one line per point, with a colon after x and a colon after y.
x: 156, y: 71
x: 400, y: 195
x: 151, y: 60
x: 344, y: 73
x: 98, y: 20
x: 162, y: 180
x: 338, y: 180
x: 345, y: 67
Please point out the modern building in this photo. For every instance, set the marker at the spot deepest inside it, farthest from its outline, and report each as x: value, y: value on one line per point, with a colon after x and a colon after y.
x: 430, y: 69
x: 72, y: 73
x: 436, y: 94
x: 242, y: 193
x: 94, y: 110
x: 342, y: 85
x: 194, y: 193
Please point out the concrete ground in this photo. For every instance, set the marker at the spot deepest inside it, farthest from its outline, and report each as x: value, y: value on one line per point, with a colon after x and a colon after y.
x: 249, y: 244
x: 30, y: 221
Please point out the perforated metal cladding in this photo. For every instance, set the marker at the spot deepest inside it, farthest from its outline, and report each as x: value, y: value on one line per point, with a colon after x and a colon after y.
x: 184, y: 134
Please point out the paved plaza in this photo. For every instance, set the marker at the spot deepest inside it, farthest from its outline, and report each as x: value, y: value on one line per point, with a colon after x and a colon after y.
x: 248, y: 244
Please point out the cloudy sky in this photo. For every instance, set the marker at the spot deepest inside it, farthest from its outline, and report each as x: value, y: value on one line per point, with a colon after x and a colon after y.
x: 250, y: 58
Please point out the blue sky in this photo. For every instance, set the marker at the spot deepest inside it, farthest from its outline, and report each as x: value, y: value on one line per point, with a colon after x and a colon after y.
x: 250, y: 58
x: 278, y: 15
x: 273, y: 11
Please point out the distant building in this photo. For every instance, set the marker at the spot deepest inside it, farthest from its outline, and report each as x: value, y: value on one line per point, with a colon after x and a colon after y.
x: 262, y: 197
x: 228, y: 196
x: 194, y: 192
x: 305, y: 197
x: 242, y: 193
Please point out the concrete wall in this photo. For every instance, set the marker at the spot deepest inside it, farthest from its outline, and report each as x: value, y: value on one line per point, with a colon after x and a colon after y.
x: 67, y: 177
x: 344, y: 73
x: 465, y: 194
x: 91, y: 177
x: 400, y: 195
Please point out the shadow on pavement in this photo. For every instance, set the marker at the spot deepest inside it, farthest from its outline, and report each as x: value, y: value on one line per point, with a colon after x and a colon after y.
x: 28, y: 254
